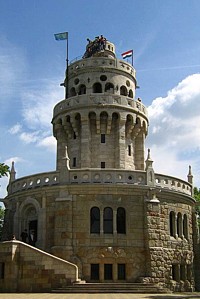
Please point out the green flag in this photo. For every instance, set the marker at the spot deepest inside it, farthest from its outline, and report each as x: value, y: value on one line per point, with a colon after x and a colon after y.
x: 61, y: 36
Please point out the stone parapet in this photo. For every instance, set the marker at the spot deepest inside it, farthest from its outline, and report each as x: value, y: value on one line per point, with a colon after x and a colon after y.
x: 103, y: 62
x: 99, y: 176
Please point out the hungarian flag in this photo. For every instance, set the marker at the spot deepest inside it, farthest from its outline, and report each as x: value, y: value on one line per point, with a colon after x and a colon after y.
x: 127, y: 54
x: 61, y: 36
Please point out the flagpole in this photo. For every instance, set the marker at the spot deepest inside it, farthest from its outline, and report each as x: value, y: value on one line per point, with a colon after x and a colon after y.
x: 67, y: 72
x: 132, y: 57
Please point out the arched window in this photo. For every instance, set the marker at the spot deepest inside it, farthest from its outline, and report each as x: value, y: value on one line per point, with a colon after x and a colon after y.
x: 97, y: 88
x: 121, y: 221
x: 123, y: 90
x: 109, y: 88
x: 172, y: 224
x: 185, y: 226
x: 72, y: 92
x: 82, y: 89
x: 179, y: 225
x: 130, y: 94
x: 108, y: 221
x: 95, y: 220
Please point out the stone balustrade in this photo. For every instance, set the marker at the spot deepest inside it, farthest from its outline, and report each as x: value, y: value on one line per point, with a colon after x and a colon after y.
x: 99, y: 99
x: 34, y: 181
x: 172, y: 183
x: 102, y: 62
x: 100, y: 176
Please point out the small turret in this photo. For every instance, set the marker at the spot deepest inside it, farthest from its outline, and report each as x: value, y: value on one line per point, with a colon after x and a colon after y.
x: 190, y: 176
x: 150, y: 171
x: 12, y: 173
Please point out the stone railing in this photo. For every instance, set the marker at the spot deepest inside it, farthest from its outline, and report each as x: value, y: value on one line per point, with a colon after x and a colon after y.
x: 103, y: 62
x: 34, y: 181
x: 172, y: 183
x: 99, y: 99
x: 100, y: 176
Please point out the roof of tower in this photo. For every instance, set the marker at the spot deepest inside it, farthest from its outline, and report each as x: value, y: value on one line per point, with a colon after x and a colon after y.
x: 99, y: 47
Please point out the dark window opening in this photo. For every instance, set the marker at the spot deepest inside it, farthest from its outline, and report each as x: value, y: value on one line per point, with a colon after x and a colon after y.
x: 108, y: 272
x: 129, y: 150
x: 109, y: 87
x: 97, y: 88
x: 175, y: 272
x: 103, y: 164
x: 121, y: 271
x: 182, y: 272
x: 121, y: 221
x: 103, y: 138
x: 179, y: 225
x: 108, y: 221
x: 72, y: 92
x: 123, y: 91
x: 130, y: 94
x: 94, y: 275
x: 103, y: 78
x: 82, y: 89
x: 95, y: 220
x: 74, y: 162
x: 2, y: 270
x: 185, y: 227
x: 172, y: 224
x: 74, y: 135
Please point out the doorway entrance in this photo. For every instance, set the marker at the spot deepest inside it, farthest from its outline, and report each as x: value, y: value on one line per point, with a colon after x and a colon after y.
x: 108, y: 272
x: 32, y: 231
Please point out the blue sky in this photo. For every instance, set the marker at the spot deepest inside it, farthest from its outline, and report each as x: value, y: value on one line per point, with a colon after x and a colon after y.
x: 165, y: 38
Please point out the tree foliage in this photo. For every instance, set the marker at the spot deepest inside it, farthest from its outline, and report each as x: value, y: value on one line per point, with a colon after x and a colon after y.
x: 4, y: 170
x: 196, y: 194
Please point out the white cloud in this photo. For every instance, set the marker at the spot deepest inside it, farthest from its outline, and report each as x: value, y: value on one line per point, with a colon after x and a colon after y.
x: 38, y: 104
x: 15, y: 129
x: 174, y: 134
x: 49, y: 143
x: 30, y: 137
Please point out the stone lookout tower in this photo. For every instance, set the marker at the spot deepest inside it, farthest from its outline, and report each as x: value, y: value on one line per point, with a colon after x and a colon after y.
x: 104, y: 208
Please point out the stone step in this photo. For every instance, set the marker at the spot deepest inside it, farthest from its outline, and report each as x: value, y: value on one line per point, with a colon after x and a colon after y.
x: 111, y: 288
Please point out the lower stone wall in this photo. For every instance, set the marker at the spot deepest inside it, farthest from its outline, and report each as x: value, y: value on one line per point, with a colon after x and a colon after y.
x: 24, y: 268
x: 172, y: 269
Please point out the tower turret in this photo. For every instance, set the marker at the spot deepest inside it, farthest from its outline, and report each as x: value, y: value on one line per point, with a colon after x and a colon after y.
x: 101, y: 123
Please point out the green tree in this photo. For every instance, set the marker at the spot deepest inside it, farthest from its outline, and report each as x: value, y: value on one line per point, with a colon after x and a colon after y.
x: 4, y: 170
x: 2, y: 212
x: 197, y: 197
x: 197, y: 194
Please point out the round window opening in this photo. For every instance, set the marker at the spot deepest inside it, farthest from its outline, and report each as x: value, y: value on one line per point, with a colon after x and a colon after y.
x: 128, y: 83
x: 130, y: 177
x: 103, y: 77
x: 76, y: 81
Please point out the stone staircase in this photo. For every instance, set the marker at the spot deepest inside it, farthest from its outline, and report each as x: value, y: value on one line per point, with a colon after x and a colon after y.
x: 112, y: 288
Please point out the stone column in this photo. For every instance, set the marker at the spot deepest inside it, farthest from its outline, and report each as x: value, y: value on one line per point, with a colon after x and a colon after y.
x: 101, y: 272
x: 85, y: 143
x: 115, y: 272
x: 61, y: 145
x: 121, y: 144
x: 115, y: 222
x: 139, y: 151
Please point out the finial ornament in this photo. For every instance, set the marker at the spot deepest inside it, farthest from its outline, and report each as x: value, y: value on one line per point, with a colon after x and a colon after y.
x: 148, y: 156
x: 12, y: 172
x: 190, y: 176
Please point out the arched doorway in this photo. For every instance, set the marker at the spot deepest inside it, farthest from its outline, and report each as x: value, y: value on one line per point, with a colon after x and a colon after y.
x: 29, y: 216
